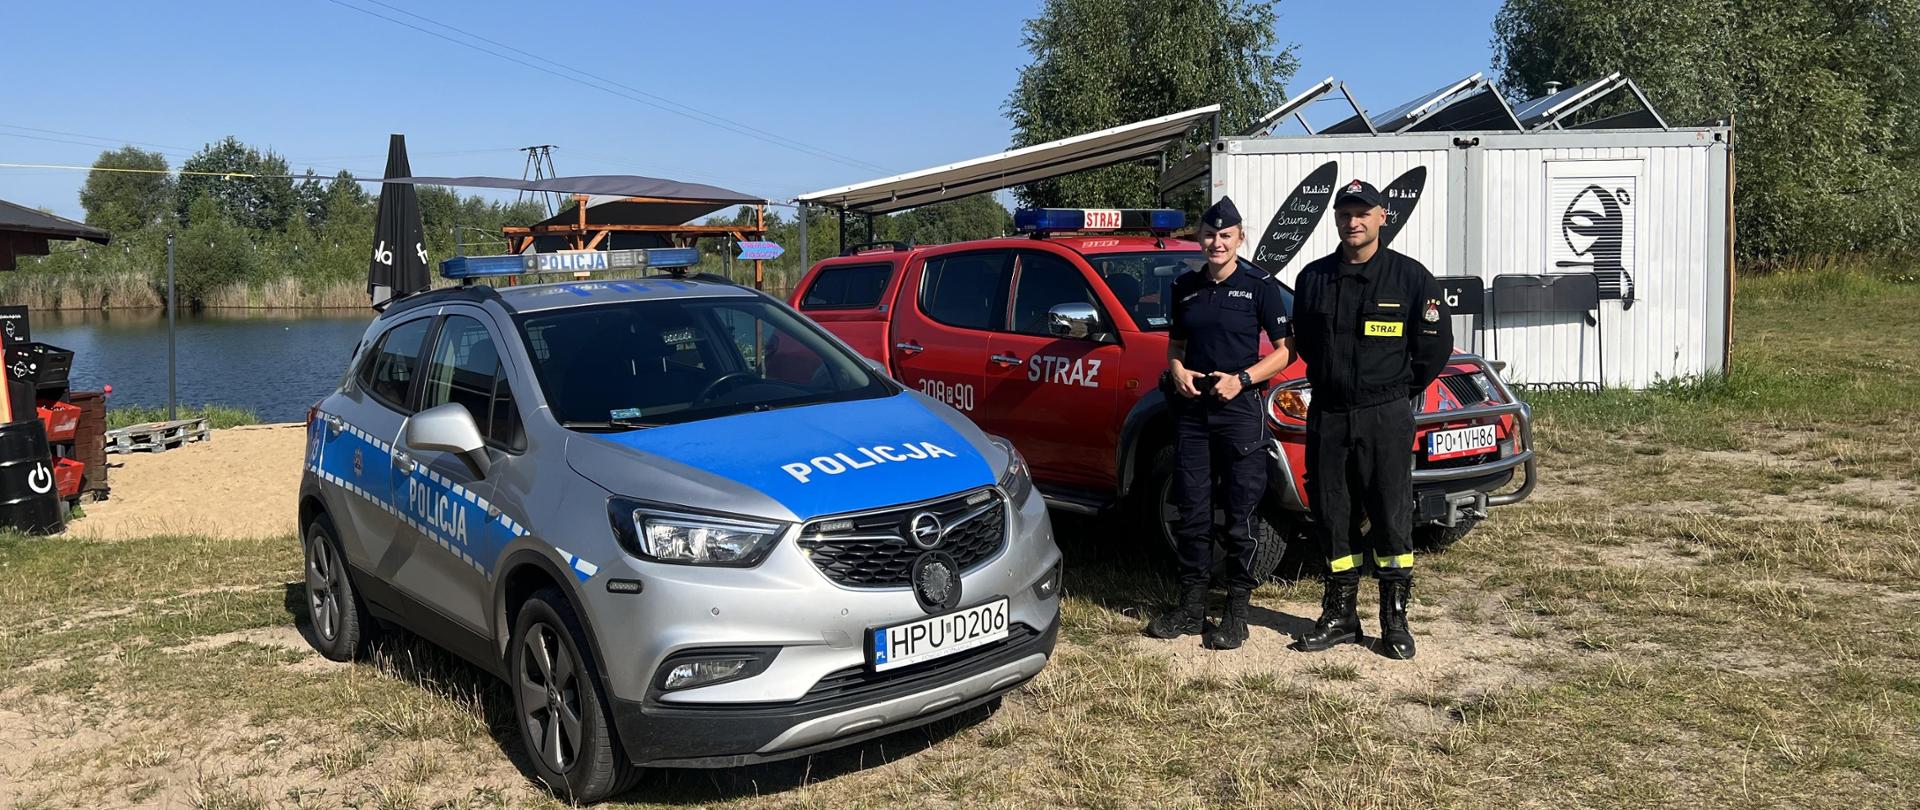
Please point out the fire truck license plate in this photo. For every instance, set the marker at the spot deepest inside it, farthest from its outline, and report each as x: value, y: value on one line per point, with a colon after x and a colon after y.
x: 1468, y: 441
x: 939, y: 636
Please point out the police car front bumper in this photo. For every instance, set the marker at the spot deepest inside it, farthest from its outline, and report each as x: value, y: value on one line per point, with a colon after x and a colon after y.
x: 664, y: 735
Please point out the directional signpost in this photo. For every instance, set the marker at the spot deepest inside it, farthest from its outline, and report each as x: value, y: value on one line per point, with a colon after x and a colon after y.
x: 760, y: 251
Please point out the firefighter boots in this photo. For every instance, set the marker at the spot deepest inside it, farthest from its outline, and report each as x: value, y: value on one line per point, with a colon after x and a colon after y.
x: 1338, y: 623
x: 1396, y: 641
x: 1187, y: 619
x: 1232, y: 631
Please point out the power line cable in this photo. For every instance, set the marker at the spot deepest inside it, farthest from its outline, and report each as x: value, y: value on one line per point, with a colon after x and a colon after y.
x: 631, y: 94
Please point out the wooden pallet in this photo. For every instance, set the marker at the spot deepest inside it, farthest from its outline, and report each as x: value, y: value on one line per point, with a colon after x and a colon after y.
x: 157, y: 437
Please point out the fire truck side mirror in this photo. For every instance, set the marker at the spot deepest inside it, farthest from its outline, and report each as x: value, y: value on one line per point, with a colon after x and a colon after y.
x: 1073, y: 320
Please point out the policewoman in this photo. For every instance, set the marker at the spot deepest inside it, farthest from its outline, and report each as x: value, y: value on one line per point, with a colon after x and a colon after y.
x: 1214, y: 378
x: 1374, y: 331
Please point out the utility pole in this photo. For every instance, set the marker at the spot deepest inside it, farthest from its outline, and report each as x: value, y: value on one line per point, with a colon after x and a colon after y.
x: 539, y: 166
x: 172, y: 411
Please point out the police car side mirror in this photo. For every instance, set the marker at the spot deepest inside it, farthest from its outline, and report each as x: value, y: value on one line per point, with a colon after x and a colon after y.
x: 1072, y: 320
x: 449, y: 428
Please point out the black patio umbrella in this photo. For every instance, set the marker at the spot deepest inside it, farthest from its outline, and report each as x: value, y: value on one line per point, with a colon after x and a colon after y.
x: 399, y: 266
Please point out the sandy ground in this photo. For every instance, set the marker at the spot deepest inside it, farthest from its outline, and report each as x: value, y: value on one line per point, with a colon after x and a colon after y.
x: 240, y: 482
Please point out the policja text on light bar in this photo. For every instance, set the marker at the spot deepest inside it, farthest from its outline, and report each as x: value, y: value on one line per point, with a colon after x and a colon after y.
x: 580, y: 261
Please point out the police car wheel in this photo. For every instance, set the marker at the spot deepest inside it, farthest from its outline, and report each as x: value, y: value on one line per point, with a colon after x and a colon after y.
x: 334, y: 610
x: 564, y: 721
x: 1270, y: 535
x: 1433, y: 539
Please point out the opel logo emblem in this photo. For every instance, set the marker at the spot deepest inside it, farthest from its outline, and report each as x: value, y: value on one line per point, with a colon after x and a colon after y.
x: 924, y: 530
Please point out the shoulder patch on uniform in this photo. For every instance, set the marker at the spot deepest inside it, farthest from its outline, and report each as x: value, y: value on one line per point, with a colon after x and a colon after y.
x: 1433, y: 311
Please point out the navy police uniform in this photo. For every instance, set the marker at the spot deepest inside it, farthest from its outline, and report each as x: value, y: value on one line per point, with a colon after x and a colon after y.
x: 1373, y: 336
x: 1223, y: 324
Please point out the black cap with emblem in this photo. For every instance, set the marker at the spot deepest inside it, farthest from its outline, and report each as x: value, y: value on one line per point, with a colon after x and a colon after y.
x: 1221, y: 215
x: 1360, y: 191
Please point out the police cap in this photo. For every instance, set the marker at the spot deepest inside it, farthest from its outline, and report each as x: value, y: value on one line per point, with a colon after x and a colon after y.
x: 1221, y: 215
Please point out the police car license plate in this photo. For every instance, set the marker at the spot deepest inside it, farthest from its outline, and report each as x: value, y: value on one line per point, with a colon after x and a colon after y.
x: 939, y: 636
x: 1467, y: 441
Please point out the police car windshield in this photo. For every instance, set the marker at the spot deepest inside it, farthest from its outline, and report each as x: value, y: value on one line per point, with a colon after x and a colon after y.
x: 1143, y: 283
x: 645, y: 363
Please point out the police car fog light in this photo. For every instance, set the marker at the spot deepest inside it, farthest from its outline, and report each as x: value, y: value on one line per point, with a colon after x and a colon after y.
x: 709, y: 667
x: 624, y: 586
x: 1049, y: 586
x: 831, y: 526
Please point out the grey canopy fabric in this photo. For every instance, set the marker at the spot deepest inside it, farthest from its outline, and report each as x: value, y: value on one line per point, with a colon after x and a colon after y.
x: 616, y: 185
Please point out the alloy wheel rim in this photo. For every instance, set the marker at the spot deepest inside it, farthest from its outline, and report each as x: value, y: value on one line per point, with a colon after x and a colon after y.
x: 550, y: 697
x: 323, y: 602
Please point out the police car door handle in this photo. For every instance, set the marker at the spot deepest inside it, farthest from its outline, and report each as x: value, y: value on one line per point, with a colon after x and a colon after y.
x: 404, y: 462
x: 334, y: 425
x: 909, y: 347
x: 1008, y: 359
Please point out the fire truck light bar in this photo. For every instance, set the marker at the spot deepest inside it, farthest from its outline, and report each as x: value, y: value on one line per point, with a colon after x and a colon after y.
x: 582, y: 261
x: 1045, y: 220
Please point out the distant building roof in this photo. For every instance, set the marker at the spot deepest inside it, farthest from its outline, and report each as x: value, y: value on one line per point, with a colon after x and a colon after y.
x: 25, y: 232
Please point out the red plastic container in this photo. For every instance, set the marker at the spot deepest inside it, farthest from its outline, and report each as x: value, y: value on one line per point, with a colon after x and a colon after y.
x: 61, y: 419
x: 67, y: 475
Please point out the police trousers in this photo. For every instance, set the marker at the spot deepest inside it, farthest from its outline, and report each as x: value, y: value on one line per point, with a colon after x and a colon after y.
x: 1224, y: 441
x: 1360, y: 465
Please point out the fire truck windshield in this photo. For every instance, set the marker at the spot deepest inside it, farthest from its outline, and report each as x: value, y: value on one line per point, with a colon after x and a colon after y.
x: 1143, y: 282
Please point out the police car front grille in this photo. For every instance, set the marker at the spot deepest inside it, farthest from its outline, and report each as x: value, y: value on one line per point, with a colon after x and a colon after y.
x: 870, y: 550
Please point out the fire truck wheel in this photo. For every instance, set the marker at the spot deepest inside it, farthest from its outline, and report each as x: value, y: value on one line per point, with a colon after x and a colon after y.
x: 1154, y: 503
x: 1433, y: 539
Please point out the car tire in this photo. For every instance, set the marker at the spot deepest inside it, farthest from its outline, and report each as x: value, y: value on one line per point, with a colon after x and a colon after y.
x: 339, y: 619
x: 1155, y: 507
x: 1435, y: 539
x: 548, y: 666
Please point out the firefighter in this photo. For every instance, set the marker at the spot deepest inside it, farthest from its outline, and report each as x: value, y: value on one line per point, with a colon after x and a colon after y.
x: 1213, y: 382
x: 1374, y: 330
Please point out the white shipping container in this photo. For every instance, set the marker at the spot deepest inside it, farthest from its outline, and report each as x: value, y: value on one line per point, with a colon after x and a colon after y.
x: 1643, y: 215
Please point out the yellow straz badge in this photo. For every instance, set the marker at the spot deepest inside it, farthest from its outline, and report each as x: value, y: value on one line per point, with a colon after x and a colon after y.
x: 1384, y: 328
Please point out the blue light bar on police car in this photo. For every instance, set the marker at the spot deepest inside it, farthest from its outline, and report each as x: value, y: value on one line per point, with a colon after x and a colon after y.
x: 577, y: 261
x: 1043, y: 220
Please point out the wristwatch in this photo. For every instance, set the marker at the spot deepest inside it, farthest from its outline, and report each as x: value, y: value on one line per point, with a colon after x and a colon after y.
x: 1246, y: 380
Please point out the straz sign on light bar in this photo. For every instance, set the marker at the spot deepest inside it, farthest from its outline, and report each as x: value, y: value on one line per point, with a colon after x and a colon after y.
x: 1468, y: 441
x: 1102, y: 219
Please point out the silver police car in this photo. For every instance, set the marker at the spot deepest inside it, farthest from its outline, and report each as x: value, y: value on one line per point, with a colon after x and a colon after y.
x: 687, y: 526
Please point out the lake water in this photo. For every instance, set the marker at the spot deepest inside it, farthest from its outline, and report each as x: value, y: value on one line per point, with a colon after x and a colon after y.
x: 274, y: 362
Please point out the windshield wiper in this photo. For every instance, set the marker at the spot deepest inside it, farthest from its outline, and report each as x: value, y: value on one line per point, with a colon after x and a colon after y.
x: 611, y: 424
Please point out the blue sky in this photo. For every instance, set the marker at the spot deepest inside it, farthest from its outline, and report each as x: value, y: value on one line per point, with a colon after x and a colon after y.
x: 883, y: 87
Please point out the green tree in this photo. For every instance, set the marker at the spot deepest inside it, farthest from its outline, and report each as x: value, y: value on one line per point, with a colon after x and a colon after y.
x: 210, y: 254
x: 975, y: 217
x: 1103, y: 63
x: 249, y: 187
x: 1824, y: 95
x: 126, y: 201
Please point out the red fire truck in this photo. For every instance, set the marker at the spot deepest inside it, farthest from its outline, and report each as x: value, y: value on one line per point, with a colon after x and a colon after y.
x: 1056, y: 340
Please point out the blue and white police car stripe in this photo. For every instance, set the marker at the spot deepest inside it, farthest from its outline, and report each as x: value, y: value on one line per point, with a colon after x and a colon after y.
x: 455, y: 505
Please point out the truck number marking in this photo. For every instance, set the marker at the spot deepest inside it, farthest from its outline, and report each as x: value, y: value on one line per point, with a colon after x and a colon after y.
x: 958, y: 395
x: 1043, y: 368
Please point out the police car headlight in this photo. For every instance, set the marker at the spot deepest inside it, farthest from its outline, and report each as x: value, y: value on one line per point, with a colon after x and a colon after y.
x: 687, y: 539
x: 1017, y: 481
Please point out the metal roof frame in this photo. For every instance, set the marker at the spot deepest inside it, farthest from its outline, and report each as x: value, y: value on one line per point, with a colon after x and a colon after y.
x: 1552, y: 111
x: 1092, y: 150
x: 1196, y: 164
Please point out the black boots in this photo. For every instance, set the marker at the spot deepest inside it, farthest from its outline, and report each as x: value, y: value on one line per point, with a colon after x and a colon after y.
x: 1232, y: 631
x: 1185, y: 620
x: 1338, y: 624
x: 1396, y: 641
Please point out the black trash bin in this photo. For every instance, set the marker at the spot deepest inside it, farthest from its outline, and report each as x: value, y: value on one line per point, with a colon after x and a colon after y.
x: 29, y: 500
